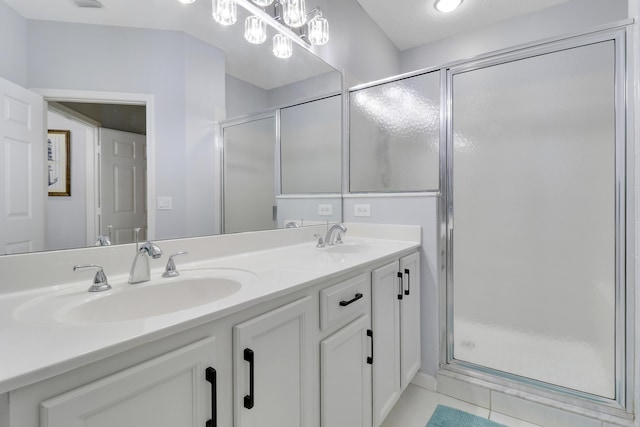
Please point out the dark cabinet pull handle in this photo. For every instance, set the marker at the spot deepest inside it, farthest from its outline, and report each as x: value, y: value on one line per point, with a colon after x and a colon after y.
x: 351, y: 301
x: 211, y: 377
x: 400, y: 284
x: 408, y: 273
x: 248, y: 399
x: 370, y: 359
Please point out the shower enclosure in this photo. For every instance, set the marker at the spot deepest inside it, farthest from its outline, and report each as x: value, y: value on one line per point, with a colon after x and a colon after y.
x: 534, y: 174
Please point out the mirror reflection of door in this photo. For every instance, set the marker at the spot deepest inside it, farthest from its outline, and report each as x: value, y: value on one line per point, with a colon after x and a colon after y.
x: 108, y: 175
x: 249, y: 196
x: 122, y: 184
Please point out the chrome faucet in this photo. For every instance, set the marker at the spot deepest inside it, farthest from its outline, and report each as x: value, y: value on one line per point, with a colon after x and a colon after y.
x: 140, y: 269
x: 333, y: 234
x: 100, y: 282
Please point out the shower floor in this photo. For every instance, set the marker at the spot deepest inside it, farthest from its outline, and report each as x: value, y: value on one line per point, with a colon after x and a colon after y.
x: 568, y: 363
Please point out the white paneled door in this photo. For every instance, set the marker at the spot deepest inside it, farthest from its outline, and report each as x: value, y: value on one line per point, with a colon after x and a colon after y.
x: 123, y: 171
x: 22, y: 162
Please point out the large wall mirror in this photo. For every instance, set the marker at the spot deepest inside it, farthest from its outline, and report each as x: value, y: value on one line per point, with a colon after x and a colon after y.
x: 163, y: 77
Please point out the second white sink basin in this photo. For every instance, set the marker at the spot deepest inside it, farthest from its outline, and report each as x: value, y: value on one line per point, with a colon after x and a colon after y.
x: 125, y: 302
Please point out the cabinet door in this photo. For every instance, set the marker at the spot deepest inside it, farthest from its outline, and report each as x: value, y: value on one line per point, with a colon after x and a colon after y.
x: 345, y: 378
x: 273, y: 368
x: 167, y: 391
x: 385, y: 315
x: 410, y: 318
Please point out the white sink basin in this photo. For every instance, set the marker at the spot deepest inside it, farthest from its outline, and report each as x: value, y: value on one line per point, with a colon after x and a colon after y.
x: 125, y: 302
x: 348, y: 248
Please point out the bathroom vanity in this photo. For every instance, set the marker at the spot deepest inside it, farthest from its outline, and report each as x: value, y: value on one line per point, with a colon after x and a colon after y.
x: 297, y: 335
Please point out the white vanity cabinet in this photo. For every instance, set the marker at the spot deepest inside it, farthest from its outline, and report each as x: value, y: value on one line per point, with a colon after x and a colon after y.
x: 273, y: 368
x: 395, y: 318
x: 176, y: 389
x: 336, y: 353
x: 345, y: 355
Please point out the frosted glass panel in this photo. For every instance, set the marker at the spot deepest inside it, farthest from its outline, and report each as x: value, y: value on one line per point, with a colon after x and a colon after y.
x: 533, y: 218
x: 311, y: 147
x: 249, y: 176
x: 394, y: 135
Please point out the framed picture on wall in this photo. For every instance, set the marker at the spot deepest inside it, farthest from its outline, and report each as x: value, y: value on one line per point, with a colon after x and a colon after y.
x: 58, y: 162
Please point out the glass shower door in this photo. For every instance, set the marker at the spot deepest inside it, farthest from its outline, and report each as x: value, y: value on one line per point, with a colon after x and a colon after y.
x: 532, y: 175
x: 249, y: 188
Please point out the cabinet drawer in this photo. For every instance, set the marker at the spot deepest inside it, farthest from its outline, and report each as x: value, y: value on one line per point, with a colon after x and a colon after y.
x: 344, y: 301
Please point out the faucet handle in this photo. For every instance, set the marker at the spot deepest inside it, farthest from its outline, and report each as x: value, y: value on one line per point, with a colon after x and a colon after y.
x: 170, y: 269
x: 100, y: 282
x: 320, y: 243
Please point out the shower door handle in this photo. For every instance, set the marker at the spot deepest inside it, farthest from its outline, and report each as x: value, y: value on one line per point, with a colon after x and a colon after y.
x: 400, y: 284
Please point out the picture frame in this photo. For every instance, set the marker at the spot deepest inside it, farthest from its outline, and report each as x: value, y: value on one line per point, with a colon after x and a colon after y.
x: 59, y: 162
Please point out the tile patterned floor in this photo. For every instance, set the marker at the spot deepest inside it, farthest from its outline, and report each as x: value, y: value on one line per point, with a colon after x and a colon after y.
x: 416, y: 405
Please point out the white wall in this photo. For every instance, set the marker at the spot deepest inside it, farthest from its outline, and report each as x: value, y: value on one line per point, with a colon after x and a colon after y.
x: 205, y: 103
x: 304, y: 210
x: 66, y: 216
x: 357, y: 47
x: 243, y: 98
x: 563, y: 19
x: 13, y: 45
x: 305, y: 90
x: 184, y: 75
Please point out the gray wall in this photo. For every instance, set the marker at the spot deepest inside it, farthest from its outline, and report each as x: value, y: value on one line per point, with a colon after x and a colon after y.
x: 13, y: 45
x: 185, y: 76
x: 563, y: 19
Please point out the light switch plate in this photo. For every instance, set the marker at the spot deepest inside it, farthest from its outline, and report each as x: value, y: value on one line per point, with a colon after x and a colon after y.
x: 362, y: 210
x: 165, y: 203
x: 325, y: 210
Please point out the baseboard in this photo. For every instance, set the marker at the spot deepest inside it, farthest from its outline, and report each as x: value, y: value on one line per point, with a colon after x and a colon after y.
x: 424, y: 381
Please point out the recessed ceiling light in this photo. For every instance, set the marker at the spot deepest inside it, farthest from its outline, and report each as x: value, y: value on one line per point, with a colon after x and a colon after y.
x: 447, y: 6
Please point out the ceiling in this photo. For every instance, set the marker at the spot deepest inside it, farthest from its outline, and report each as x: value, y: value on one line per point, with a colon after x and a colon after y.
x: 411, y: 23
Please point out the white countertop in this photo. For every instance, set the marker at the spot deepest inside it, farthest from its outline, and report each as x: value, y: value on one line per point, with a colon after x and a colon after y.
x: 35, y: 346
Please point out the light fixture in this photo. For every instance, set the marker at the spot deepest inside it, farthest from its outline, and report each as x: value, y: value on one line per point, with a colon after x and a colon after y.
x: 447, y: 6
x: 255, y: 30
x: 287, y: 17
x: 282, y: 47
x: 294, y: 13
x: 225, y: 12
x: 318, y: 30
x: 186, y: 1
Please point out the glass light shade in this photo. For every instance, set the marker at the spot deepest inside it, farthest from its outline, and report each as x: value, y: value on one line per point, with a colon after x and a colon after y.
x: 294, y: 13
x: 318, y: 33
x: 447, y: 6
x: 263, y: 3
x: 255, y: 30
x: 282, y: 47
x: 225, y: 12
x: 186, y: 1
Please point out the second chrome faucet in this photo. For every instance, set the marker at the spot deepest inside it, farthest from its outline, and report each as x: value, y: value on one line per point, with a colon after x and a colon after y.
x: 140, y: 269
